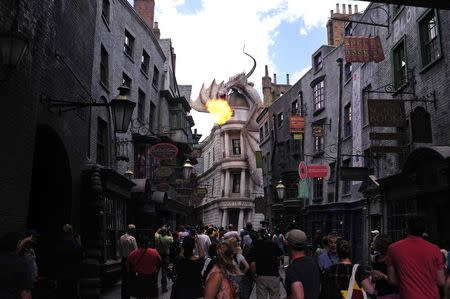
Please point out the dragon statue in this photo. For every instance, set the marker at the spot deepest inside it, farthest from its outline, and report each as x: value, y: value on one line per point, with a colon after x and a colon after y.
x: 250, y: 130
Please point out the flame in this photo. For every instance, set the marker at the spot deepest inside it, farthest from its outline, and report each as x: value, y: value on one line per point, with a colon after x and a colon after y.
x: 220, y: 109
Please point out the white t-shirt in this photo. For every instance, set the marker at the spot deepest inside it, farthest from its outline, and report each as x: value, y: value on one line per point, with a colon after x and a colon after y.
x: 205, y: 242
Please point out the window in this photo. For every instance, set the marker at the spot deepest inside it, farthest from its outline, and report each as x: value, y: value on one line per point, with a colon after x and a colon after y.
x: 318, y: 61
x: 144, y: 62
x: 266, y: 129
x: 105, y: 11
x: 400, y: 68
x: 152, y: 115
x: 126, y: 80
x: 348, y: 29
x: 155, y: 80
x: 318, y: 144
x: 104, y: 67
x: 102, y: 142
x: 429, y: 38
x: 294, y: 106
x: 212, y: 187
x: 348, y: 71
x: 348, y: 120
x: 319, y: 99
x: 128, y: 44
x: 236, y: 146
x: 332, y: 173
x: 143, y: 161
x: 317, y: 189
x: 141, y: 105
x: 261, y: 134
x: 236, y: 183
x: 280, y: 119
x: 346, y: 184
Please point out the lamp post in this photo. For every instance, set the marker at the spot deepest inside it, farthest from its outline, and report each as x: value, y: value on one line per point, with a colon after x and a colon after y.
x: 187, y: 169
x: 128, y: 173
x: 281, y: 190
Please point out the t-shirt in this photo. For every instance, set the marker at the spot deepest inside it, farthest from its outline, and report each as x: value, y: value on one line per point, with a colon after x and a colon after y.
x: 15, y: 276
x: 231, y: 234
x: 127, y: 243
x: 327, y: 259
x: 148, y: 264
x: 337, y: 278
x: 189, y: 272
x: 265, y: 254
x: 306, y: 271
x: 416, y: 262
x: 163, y: 244
x: 205, y: 242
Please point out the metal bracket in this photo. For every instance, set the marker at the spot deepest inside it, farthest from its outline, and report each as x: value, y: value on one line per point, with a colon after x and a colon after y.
x: 70, y: 105
x: 372, y: 23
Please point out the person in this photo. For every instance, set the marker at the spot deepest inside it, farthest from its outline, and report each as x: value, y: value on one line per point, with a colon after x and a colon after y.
x: 182, y: 232
x: 231, y: 233
x: 245, y: 278
x: 329, y: 257
x: 69, y: 255
x: 219, y: 282
x: 210, y: 261
x: 323, y: 248
x: 143, y: 265
x: 279, y: 239
x: 127, y: 243
x: 302, y: 275
x: 336, y: 279
x: 26, y: 249
x: 248, y: 234
x: 188, y: 268
x: 317, y: 240
x: 15, y: 275
x: 379, y: 272
x: 163, y: 241
x: 204, y: 240
x: 265, y: 256
x: 414, y: 264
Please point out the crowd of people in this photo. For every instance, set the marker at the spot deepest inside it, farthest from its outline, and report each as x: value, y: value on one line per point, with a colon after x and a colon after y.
x: 211, y: 262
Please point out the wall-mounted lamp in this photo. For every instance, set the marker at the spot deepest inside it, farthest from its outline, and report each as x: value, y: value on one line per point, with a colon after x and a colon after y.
x: 187, y: 169
x: 13, y: 46
x: 281, y: 189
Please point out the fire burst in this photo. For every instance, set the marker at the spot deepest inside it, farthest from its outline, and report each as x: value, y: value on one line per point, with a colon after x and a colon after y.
x: 220, y: 109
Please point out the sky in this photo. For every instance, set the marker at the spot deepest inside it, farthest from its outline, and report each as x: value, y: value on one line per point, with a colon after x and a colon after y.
x: 209, y: 36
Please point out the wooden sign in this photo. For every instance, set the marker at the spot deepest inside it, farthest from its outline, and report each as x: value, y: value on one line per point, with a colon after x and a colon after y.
x: 201, y: 191
x: 297, y: 124
x: 363, y: 49
x: 317, y: 131
x: 386, y: 113
x: 163, y: 171
x: 163, y: 151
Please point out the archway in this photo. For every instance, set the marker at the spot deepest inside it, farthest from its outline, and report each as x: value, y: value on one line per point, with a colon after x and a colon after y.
x: 50, y: 195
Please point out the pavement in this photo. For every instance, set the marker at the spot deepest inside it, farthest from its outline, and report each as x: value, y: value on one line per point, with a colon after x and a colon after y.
x: 114, y: 291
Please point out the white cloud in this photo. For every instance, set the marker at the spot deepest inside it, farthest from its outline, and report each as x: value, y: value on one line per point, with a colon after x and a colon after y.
x: 303, y: 31
x: 209, y: 43
x: 297, y: 75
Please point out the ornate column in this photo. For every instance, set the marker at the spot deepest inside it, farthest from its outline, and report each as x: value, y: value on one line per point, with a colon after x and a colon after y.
x: 219, y: 220
x: 243, y: 183
x: 225, y: 217
x: 227, y: 144
x: 227, y: 183
x: 222, y: 182
x: 250, y: 216
x: 241, y: 219
x: 241, y: 142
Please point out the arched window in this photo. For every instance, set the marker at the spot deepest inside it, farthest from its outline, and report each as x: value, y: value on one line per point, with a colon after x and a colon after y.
x: 421, y: 126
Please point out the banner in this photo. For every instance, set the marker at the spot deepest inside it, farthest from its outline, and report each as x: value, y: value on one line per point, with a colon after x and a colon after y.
x: 297, y: 124
x: 363, y: 49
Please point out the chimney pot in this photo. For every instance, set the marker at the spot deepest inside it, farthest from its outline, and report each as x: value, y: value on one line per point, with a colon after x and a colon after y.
x: 349, y: 9
x: 287, y: 79
x: 275, y: 78
x: 155, y: 25
x: 356, y: 8
x: 343, y: 9
x: 337, y: 7
x: 331, y: 13
x: 267, y: 70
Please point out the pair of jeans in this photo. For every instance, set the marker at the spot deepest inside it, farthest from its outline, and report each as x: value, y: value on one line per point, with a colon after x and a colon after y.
x: 164, y: 266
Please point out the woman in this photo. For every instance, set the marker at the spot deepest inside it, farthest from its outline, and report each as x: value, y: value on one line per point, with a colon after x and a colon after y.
x: 246, y: 279
x: 220, y: 283
x: 335, y: 281
x: 143, y: 265
x: 188, y: 268
x: 279, y: 239
x: 379, y: 272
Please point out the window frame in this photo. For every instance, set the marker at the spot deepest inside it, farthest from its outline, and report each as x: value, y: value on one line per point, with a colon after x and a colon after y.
x: 397, y: 84
x: 106, y: 11
x: 421, y: 35
x: 145, y: 62
x: 319, y: 95
x: 155, y: 79
x: 102, y: 142
x: 317, y: 189
x: 348, y: 71
x: 280, y: 119
x: 294, y: 107
x: 104, y: 66
x: 236, y: 183
x: 236, y: 148
x: 126, y: 80
x: 319, y: 143
x: 141, y: 106
x: 128, y: 48
x: 318, y: 61
x: 348, y: 128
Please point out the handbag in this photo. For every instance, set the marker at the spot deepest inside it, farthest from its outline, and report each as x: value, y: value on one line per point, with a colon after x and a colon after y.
x: 142, y: 285
x: 354, y: 291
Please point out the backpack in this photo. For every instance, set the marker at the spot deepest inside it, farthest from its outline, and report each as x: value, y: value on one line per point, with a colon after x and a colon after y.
x: 353, y: 291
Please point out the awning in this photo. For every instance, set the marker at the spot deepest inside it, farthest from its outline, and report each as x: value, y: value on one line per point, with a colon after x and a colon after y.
x: 159, y: 197
x: 142, y: 187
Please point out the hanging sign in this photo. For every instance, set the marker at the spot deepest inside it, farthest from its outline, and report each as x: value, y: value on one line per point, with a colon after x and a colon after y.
x: 303, y: 191
x: 163, y: 151
x: 196, y: 153
x: 386, y: 113
x: 363, y: 49
x: 163, y: 171
x: 297, y: 124
x: 313, y: 171
x: 317, y: 131
x: 201, y: 191
x: 298, y: 136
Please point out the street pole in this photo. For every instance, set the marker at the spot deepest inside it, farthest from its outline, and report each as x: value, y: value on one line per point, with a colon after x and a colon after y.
x: 339, y: 133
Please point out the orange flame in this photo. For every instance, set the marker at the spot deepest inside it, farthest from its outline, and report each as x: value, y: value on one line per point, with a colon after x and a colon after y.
x: 220, y: 109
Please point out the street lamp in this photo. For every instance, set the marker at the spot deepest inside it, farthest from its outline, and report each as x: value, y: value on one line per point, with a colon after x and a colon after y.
x: 13, y: 46
x: 187, y: 169
x: 281, y: 189
x: 128, y: 173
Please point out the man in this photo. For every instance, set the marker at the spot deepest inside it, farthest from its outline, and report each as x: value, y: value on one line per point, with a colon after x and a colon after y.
x: 247, y: 236
x: 16, y: 274
x: 414, y: 264
x: 127, y: 243
x: 231, y: 233
x: 204, y: 240
x: 302, y: 275
x: 163, y: 240
x: 329, y: 257
x: 265, y: 256
x: 69, y: 255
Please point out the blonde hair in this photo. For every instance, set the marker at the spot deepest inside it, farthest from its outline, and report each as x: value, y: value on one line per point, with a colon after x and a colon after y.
x: 225, y: 252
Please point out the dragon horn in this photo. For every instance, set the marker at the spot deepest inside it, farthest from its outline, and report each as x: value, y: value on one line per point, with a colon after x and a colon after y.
x: 254, y: 65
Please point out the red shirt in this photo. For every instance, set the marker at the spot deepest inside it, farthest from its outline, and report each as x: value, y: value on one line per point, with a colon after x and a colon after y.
x: 416, y: 262
x: 148, y: 264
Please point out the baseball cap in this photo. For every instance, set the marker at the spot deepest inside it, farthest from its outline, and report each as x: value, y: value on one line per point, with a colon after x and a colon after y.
x: 296, y: 238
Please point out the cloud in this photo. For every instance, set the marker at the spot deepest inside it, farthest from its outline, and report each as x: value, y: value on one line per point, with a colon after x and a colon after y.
x: 209, y: 42
x: 297, y: 75
x: 303, y: 31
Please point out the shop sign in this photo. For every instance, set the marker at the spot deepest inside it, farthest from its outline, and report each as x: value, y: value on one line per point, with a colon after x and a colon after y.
x: 163, y: 171
x: 163, y: 151
x: 313, y: 171
x: 297, y: 124
x: 386, y: 113
x: 201, y: 191
x: 303, y: 191
x: 363, y: 49
x: 317, y: 131
x: 298, y: 136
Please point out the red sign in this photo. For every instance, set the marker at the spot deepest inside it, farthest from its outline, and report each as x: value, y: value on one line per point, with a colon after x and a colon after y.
x: 297, y: 124
x: 313, y: 171
x: 363, y: 49
x: 163, y: 151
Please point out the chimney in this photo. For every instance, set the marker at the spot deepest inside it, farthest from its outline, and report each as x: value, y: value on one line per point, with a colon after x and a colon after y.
x: 331, y: 13
x: 349, y: 9
x: 337, y: 7
x: 287, y: 79
x: 343, y: 9
x: 156, y: 30
x: 267, y: 70
x: 356, y: 8
x: 274, y: 78
x: 174, y: 60
x: 146, y: 10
